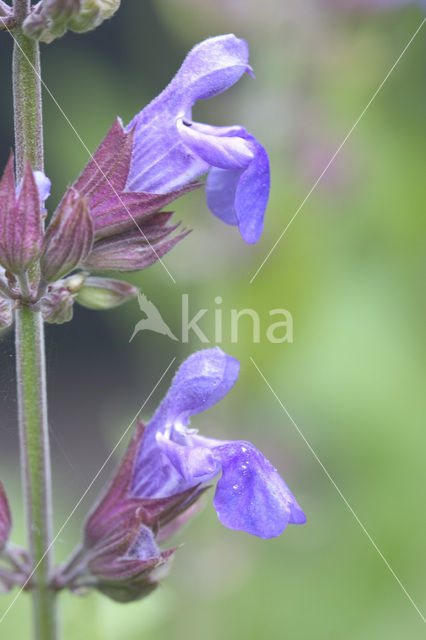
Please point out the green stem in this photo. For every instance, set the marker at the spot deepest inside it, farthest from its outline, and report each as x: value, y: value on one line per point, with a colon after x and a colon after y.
x: 30, y: 351
x: 35, y: 461
x: 26, y: 95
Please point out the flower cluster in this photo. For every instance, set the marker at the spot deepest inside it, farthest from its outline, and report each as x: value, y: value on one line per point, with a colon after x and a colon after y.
x: 111, y: 217
x: 162, y: 475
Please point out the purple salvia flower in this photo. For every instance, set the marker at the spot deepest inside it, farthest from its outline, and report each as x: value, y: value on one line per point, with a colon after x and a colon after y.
x: 170, y: 150
x: 160, y: 480
x: 5, y: 518
x: 172, y: 458
x: 137, y: 171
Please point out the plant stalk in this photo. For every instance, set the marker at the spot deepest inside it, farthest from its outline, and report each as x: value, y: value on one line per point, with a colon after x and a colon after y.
x: 26, y: 95
x: 30, y: 350
x: 35, y: 464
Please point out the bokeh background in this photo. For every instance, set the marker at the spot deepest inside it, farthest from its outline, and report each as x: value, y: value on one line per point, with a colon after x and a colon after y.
x: 350, y: 270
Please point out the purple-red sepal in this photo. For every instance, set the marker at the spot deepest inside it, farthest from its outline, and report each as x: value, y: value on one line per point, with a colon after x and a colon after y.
x: 21, y: 226
x: 136, y: 248
x: 5, y: 518
x: 121, y: 533
x: 68, y: 238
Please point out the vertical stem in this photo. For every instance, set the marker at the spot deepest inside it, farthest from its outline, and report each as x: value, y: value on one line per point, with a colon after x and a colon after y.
x: 26, y: 95
x: 35, y: 461
x: 30, y: 351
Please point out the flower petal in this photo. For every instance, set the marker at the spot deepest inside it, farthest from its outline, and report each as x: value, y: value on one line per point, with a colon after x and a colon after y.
x: 225, y: 152
x: 201, y: 381
x: 210, y: 68
x: 251, y: 496
x: 221, y: 188
x: 160, y: 162
x: 43, y: 185
x: 194, y: 464
x: 252, y: 196
x: 240, y: 196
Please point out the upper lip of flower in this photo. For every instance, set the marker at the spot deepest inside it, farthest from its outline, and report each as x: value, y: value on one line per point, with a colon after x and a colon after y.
x: 170, y: 149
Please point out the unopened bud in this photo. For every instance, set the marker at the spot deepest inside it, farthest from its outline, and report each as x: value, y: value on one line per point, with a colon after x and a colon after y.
x: 57, y: 306
x: 92, y: 14
x: 21, y: 230
x: 104, y: 293
x: 68, y: 238
x: 6, y: 313
x: 49, y: 19
x: 61, y: 9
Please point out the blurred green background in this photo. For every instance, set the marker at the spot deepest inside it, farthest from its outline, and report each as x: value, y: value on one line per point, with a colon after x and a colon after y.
x: 350, y: 270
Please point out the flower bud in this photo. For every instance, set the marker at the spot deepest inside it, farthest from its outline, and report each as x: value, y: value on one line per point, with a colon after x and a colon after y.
x: 57, y: 306
x: 68, y: 238
x: 6, y: 313
x: 49, y: 19
x: 21, y: 229
x: 5, y: 518
x: 92, y: 14
x: 61, y: 9
x: 75, y: 282
x: 104, y: 293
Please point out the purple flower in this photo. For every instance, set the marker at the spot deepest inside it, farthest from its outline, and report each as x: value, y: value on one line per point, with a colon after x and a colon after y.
x: 170, y: 149
x: 111, y: 218
x: 160, y: 480
x: 172, y: 458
